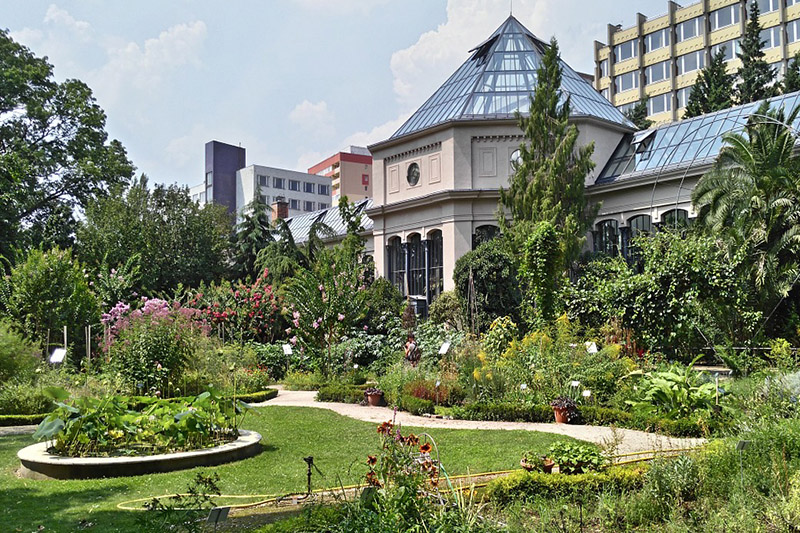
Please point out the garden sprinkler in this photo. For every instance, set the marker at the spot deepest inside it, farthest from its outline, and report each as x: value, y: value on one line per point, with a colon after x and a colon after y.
x: 310, y: 464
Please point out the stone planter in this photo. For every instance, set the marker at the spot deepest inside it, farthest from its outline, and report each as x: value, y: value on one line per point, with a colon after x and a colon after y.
x: 37, y: 463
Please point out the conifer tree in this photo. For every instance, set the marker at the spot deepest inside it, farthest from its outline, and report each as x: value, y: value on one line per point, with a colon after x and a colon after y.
x: 757, y: 79
x: 253, y: 233
x: 548, y: 183
x: 713, y: 89
x: 638, y: 114
x: 791, y: 83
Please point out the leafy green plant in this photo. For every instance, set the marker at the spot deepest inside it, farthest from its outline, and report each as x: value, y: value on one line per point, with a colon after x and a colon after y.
x: 501, y: 332
x: 17, y: 355
x: 676, y: 393
x: 183, y: 512
x: 573, y: 458
x: 118, y: 425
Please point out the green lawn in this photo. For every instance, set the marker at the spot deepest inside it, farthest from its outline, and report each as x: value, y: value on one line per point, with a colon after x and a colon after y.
x: 339, y: 446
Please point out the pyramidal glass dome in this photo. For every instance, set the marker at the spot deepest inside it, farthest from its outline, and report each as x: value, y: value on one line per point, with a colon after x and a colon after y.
x: 497, y: 80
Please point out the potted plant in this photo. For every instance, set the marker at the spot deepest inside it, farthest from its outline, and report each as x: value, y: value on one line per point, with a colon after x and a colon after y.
x: 565, y: 409
x: 538, y: 463
x: 374, y: 396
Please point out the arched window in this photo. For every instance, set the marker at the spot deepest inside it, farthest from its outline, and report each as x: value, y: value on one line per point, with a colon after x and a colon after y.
x: 606, y: 237
x: 638, y: 226
x: 435, y: 264
x: 397, y: 264
x: 675, y: 218
x: 416, y: 265
x: 484, y: 234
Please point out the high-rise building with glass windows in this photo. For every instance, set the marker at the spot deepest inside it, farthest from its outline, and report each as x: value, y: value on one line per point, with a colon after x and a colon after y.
x: 659, y: 57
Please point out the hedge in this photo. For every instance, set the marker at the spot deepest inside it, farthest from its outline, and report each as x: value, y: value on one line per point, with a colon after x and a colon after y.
x: 599, y: 416
x: 523, y: 485
x: 416, y: 406
x: 341, y: 392
x: 260, y: 396
x: 21, y: 420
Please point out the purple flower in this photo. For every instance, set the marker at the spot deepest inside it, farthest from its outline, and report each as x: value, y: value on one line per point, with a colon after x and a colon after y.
x: 288, y: 330
x: 293, y: 340
x: 340, y: 317
x: 365, y: 328
x: 321, y: 288
x: 296, y: 315
x: 296, y: 323
x: 315, y: 324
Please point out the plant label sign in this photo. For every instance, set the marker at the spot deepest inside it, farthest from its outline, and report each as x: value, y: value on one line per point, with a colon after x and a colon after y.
x: 58, y: 355
x: 287, y: 349
x: 444, y: 348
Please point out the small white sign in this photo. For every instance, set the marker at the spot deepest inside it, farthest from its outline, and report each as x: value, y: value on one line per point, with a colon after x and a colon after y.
x: 287, y: 349
x: 591, y: 347
x: 444, y: 348
x: 58, y: 355
x: 575, y: 384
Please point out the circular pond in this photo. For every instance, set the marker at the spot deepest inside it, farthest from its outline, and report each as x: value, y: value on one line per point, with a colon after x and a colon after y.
x: 37, y: 463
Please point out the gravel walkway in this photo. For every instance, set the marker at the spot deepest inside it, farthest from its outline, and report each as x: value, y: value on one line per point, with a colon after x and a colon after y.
x: 627, y: 440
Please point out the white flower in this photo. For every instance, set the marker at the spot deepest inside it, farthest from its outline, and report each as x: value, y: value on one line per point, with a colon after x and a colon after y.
x: 438, y: 382
x: 355, y: 366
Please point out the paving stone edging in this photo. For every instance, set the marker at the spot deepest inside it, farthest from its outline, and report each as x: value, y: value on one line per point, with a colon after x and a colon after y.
x: 38, y: 464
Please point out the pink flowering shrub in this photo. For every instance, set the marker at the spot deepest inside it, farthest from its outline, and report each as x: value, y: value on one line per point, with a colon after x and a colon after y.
x: 150, y: 346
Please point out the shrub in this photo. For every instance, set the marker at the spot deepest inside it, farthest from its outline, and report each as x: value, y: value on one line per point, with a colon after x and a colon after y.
x: 488, y: 270
x: 677, y: 392
x: 529, y: 485
x: 17, y: 355
x: 303, y: 381
x: 501, y: 332
x: 448, y: 310
x: 272, y: 357
x: 339, y: 392
x: 504, y: 411
x: 151, y: 346
x: 575, y: 458
x: 21, y: 420
x: 434, y: 391
x: 416, y: 406
x: 46, y: 292
x: 23, y: 399
x: 256, y: 397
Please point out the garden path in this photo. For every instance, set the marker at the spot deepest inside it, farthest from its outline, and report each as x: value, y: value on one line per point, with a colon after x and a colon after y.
x: 628, y: 440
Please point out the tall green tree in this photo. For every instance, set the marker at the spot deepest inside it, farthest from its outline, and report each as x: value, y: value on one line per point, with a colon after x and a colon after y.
x: 54, y: 150
x: 253, y: 233
x: 751, y: 198
x: 539, y: 273
x: 791, y: 82
x: 180, y: 243
x: 713, y: 89
x: 638, y: 115
x: 757, y: 79
x: 548, y: 183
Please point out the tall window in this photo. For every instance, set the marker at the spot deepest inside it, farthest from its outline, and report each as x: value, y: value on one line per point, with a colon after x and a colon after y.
x: 607, y: 237
x: 324, y: 190
x: 657, y: 39
x: 604, y: 68
x: 689, y: 29
x: 793, y: 31
x: 627, y: 81
x: 294, y: 204
x: 416, y: 265
x: 658, y: 72
x: 675, y: 218
x: 724, y: 17
x: 435, y: 265
x: 262, y: 180
x: 308, y: 187
x: 638, y: 226
x: 278, y: 183
x: 772, y: 37
x: 690, y: 62
x: 683, y: 96
x: 768, y: 6
x: 294, y: 185
x: 731, y: 48
x: 659, y: 104
x: 483, y: 234
x: 397, y: 264
x: 626, y: 50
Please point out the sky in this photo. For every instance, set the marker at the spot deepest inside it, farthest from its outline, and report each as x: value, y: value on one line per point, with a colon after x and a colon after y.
x: 292, y: 81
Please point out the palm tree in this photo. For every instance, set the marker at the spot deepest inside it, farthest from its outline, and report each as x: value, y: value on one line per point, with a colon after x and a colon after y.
x: 751, y: 198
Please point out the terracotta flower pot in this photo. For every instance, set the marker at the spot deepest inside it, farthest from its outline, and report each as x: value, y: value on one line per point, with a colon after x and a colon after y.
x: 562, y: 415
x: 374, y: 399
x: 548, y: 465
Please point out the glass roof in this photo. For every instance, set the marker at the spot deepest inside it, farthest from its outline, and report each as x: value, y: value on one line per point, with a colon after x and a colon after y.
x: 300, y: 225
x: 682, y: 144
x: 497, y: 80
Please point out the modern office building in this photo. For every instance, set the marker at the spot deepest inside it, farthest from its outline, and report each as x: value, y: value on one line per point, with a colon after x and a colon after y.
x: 304, y: 193
x: 437, y: 179
x: 350, y: 172
x: 230, y: 182
x: 660, y: 57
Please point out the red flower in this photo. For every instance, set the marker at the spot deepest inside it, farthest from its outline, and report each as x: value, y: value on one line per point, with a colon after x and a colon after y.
x: 425, y: 448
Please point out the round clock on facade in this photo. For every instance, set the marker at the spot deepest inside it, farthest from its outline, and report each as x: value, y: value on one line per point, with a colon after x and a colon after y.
x: 413, y: 174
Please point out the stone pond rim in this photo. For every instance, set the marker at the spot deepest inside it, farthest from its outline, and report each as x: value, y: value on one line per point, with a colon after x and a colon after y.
x: 37, y: 463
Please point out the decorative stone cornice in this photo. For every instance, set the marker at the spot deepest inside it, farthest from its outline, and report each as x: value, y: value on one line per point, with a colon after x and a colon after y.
x: 428, y: 148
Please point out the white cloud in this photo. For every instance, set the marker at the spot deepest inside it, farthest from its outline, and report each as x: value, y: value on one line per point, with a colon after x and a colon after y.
x: 311, y: 158
x: 314, y: 118
x: 27, y: 36
x: 379, y: 133
x: 143, y: 68
x: 61, y: 17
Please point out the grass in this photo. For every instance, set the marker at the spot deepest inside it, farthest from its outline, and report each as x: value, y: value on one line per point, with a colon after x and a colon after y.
x: 338, y: 444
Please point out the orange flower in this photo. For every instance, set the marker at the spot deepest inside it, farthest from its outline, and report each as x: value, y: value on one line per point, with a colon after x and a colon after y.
x: 371, y: 460
x: 412, y: 440
x: 372, y: 479
x: 425, y: 448
x: 385, y: 428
